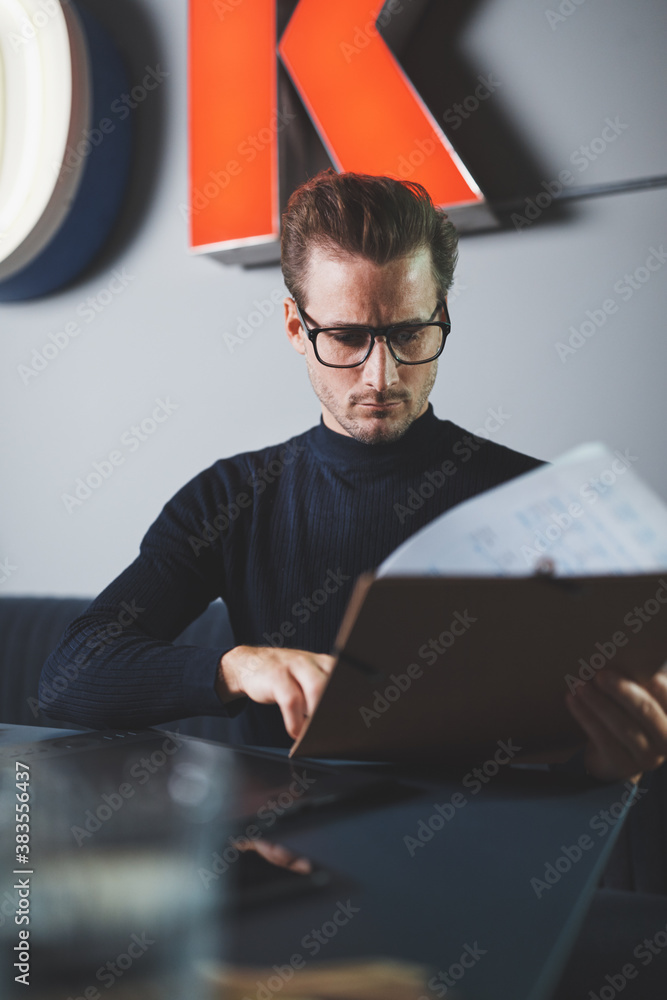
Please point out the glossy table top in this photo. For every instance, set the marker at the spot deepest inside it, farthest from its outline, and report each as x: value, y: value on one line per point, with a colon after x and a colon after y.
x: 484, y: 874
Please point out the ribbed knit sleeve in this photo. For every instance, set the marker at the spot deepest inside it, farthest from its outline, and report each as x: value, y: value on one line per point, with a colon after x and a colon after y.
x: 281, y: 535
x: 116, y: 665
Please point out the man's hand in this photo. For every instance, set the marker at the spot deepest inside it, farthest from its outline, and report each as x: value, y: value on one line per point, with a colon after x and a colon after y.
x: 625, y: 721
x: 293, y: 679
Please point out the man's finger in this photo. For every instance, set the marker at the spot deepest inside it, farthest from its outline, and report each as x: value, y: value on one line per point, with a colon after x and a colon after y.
x: 606, y: 758
x: 312, y: 680
x: 623, y: 726
x: 326, y: 662
x: 636, y: 701
x: 291, y: 700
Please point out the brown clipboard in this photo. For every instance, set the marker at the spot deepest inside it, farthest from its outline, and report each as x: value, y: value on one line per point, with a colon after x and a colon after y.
x: 522, y: 643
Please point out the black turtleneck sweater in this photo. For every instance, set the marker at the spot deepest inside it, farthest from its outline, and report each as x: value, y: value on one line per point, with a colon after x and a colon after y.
x: 280, y: 535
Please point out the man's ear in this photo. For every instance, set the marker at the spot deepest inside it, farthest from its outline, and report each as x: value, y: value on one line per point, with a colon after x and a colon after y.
x: 293, y: 327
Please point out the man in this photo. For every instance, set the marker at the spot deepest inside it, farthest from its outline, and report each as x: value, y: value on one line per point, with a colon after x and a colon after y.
x: 281, y: 534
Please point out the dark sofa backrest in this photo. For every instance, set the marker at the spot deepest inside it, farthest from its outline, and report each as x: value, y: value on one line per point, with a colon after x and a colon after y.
x: 30, y: 627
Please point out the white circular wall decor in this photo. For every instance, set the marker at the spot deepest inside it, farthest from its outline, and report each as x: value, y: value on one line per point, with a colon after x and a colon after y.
x: 62, y: 178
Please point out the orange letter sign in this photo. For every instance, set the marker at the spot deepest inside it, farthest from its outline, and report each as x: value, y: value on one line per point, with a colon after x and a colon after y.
x: 366, y: 111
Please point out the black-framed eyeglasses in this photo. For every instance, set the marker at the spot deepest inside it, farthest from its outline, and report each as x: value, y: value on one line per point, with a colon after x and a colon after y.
x: 409, y: 343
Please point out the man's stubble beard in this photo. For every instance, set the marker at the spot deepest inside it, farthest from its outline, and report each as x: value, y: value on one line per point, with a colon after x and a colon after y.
x: 359, y: 429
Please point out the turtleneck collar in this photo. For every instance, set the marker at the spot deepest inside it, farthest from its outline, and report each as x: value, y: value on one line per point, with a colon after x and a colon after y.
x: 333, y: 448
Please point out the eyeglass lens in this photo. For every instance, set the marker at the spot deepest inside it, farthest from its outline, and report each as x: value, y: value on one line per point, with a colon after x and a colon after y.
x: 350, y: 346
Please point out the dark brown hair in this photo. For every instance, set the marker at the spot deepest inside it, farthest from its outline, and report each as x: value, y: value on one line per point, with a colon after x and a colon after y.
x: 378, y: 218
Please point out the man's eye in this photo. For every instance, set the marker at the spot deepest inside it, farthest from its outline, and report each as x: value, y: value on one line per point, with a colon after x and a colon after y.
x: 349, y: 338
x: 408, y: 335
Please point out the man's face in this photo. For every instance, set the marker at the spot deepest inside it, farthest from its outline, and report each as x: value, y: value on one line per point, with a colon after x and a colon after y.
x: 379, y: 399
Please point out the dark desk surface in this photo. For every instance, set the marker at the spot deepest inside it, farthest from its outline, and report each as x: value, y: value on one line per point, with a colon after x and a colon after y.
x: 465, y: 889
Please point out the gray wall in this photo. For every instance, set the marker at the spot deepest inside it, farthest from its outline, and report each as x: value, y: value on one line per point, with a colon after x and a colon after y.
x: 517, y: 294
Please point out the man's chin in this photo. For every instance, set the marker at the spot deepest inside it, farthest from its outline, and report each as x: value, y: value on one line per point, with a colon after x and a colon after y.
x: 379, y: 427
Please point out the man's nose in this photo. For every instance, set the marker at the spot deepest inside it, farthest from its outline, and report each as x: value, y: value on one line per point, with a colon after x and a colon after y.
x: 380, y: 368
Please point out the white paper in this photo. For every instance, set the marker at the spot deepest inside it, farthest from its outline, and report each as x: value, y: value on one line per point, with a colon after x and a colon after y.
x: 588, y: 512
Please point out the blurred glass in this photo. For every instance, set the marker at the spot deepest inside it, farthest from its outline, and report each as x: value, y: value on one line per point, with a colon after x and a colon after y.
x: 116, y: 898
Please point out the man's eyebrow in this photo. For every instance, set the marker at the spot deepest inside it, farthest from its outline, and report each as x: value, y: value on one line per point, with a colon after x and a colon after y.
x: 369, y: 326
